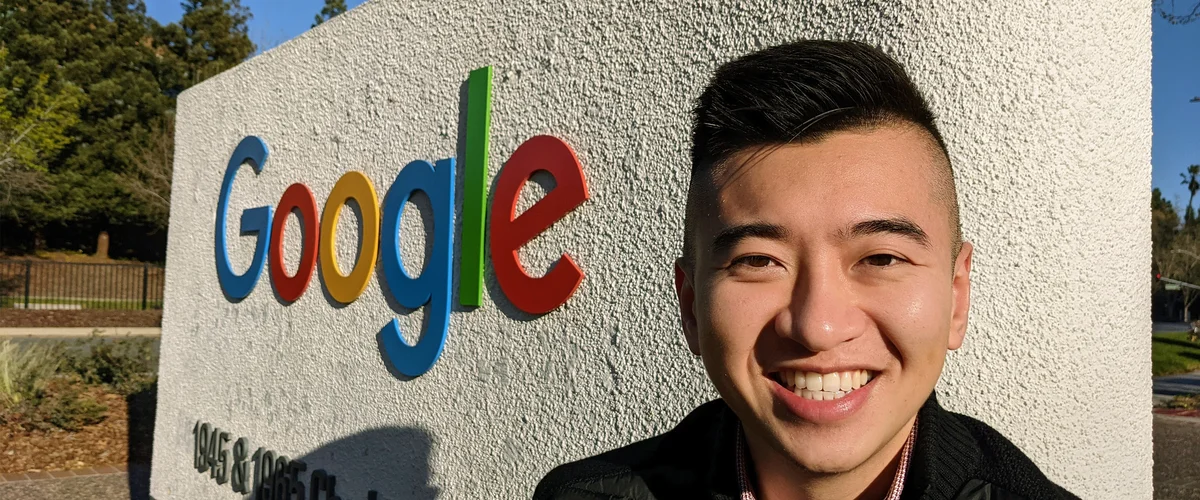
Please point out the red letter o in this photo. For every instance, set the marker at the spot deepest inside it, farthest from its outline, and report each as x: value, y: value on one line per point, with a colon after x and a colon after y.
x: 299, y: 198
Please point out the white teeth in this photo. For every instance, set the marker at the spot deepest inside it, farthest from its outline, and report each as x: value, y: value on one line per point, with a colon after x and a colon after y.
x: 824, y: 387
x: 831, y: 382
x: 812, y: 381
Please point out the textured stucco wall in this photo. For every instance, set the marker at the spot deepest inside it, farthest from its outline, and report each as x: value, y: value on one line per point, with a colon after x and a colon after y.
x: 1045, y: 106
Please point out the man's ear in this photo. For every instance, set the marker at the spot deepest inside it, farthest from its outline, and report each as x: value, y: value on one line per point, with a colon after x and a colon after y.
x: 961, y: 286
x: 686, y: 292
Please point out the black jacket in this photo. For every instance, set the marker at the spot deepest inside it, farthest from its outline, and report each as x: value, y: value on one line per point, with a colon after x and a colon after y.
x: 955, y: 458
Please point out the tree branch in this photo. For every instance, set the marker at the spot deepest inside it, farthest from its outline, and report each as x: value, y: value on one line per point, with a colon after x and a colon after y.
x: 1173, y: 18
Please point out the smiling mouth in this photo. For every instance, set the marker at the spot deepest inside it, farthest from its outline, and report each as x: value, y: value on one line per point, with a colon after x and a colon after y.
x: 822, y: 386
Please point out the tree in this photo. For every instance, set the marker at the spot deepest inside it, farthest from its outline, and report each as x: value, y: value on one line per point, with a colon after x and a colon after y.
x: 331, y: 9
x: 1181, y: 261
x: 99, y: 55
x: 29, y: 136
x: 1164, y: 225
x: 102, y: 77
x: 1193, y: 184
x: 150, y: 179
x: 215, y: 37
x: 1164, y: 221
x: 1174, y: 15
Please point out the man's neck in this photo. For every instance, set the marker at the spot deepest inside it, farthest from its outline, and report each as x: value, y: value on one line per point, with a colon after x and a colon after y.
x: 778, y: 477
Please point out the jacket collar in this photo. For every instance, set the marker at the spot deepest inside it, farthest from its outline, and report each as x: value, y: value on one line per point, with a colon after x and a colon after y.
x: 945, y: 455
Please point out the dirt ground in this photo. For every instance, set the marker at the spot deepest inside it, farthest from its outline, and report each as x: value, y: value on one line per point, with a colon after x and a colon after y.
x: 123, y: 437
x: 85, y: 318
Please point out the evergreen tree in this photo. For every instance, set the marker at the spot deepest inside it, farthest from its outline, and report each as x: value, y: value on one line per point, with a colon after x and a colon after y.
x: 31, y: 135
x: 216, y: 35
x: 89, y: 85
x: 331, y: 8
x: 1192, y: 180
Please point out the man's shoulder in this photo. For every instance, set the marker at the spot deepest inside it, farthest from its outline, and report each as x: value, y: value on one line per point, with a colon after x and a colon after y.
x: 996, y: 468
x: 609, y: 475
x: 679, y: 458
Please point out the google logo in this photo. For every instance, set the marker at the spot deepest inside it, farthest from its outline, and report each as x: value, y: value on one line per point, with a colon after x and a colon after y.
x: 381, y: 235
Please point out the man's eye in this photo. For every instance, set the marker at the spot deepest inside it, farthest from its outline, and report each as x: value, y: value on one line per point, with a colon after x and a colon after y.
x: 882, y: 260
x: 753, y: 261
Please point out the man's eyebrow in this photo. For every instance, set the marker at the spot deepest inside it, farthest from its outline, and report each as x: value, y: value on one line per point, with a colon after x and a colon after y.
x: 901, y: 226
x: 729, y: 237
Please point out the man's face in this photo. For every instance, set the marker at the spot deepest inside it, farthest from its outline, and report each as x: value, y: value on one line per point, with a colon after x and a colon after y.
x: 827, y: 258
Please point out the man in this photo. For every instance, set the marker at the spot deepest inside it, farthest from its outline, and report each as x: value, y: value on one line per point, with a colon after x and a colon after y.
x: 823, y: 280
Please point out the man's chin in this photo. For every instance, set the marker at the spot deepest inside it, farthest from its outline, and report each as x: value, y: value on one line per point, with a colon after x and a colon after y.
x: 825, y: 454
x: 826, y: 465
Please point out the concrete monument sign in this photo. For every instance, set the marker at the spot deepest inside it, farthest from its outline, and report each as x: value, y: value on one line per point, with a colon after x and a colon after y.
x: 425, y: 249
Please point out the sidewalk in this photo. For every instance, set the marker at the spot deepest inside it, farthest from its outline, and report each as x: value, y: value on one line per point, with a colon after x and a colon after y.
x: 68, y: 333
x: 113, y: 486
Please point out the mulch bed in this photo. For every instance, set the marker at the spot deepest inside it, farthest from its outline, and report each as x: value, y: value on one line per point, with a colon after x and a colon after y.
x: 86, y: 318
x: 106, y: 443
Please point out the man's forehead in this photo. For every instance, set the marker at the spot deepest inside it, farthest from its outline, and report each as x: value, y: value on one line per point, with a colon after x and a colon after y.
x: 882, y: 173
x: 879, y: 163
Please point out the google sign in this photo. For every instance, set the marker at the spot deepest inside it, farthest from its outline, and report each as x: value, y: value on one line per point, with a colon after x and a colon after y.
x: 381, y: 235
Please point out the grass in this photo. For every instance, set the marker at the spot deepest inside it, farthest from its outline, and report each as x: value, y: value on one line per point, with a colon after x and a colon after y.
x: 1172, y: 353
x: 25, y: 371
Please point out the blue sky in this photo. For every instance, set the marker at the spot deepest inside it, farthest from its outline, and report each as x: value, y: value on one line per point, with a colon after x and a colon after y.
x: 274, y: 22
x: 1176, y: 80
x: 1175, y: 74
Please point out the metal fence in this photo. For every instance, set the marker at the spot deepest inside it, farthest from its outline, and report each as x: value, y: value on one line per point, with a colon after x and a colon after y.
x: 33, y: 284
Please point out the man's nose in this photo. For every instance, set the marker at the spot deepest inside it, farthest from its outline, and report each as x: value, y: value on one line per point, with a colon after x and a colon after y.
x: 824, y: 310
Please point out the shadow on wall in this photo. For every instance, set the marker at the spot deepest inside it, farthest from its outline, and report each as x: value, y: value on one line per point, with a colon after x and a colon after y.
x: 379, y: 464
x: 393, y: 461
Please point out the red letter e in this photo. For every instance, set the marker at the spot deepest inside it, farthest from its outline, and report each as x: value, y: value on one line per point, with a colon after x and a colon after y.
x: 508, y: 234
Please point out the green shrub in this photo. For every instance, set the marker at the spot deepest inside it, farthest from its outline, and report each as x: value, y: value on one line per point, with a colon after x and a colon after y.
x: 1185, y: 402
x: 127, y: 364
x: 46, y: 384
x: 26, y: 369
x: 69, y: 407
x: 65, y: 403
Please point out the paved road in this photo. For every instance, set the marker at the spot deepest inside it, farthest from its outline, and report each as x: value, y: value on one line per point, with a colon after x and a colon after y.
x: 1164, y: 326
x: 1171, y: 385
x: 1176, y: 458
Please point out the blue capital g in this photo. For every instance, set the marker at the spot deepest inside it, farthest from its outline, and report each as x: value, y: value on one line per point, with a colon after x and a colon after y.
x: 250, y: 150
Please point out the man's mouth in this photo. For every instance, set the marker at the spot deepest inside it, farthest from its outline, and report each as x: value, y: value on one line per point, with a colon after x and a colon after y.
x: 822, y: 386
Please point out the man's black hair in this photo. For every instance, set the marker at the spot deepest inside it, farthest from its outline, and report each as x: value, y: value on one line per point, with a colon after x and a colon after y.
x: 801, y: 92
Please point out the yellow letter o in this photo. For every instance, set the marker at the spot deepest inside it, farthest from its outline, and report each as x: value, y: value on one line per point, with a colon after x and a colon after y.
x: 347, y: 288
